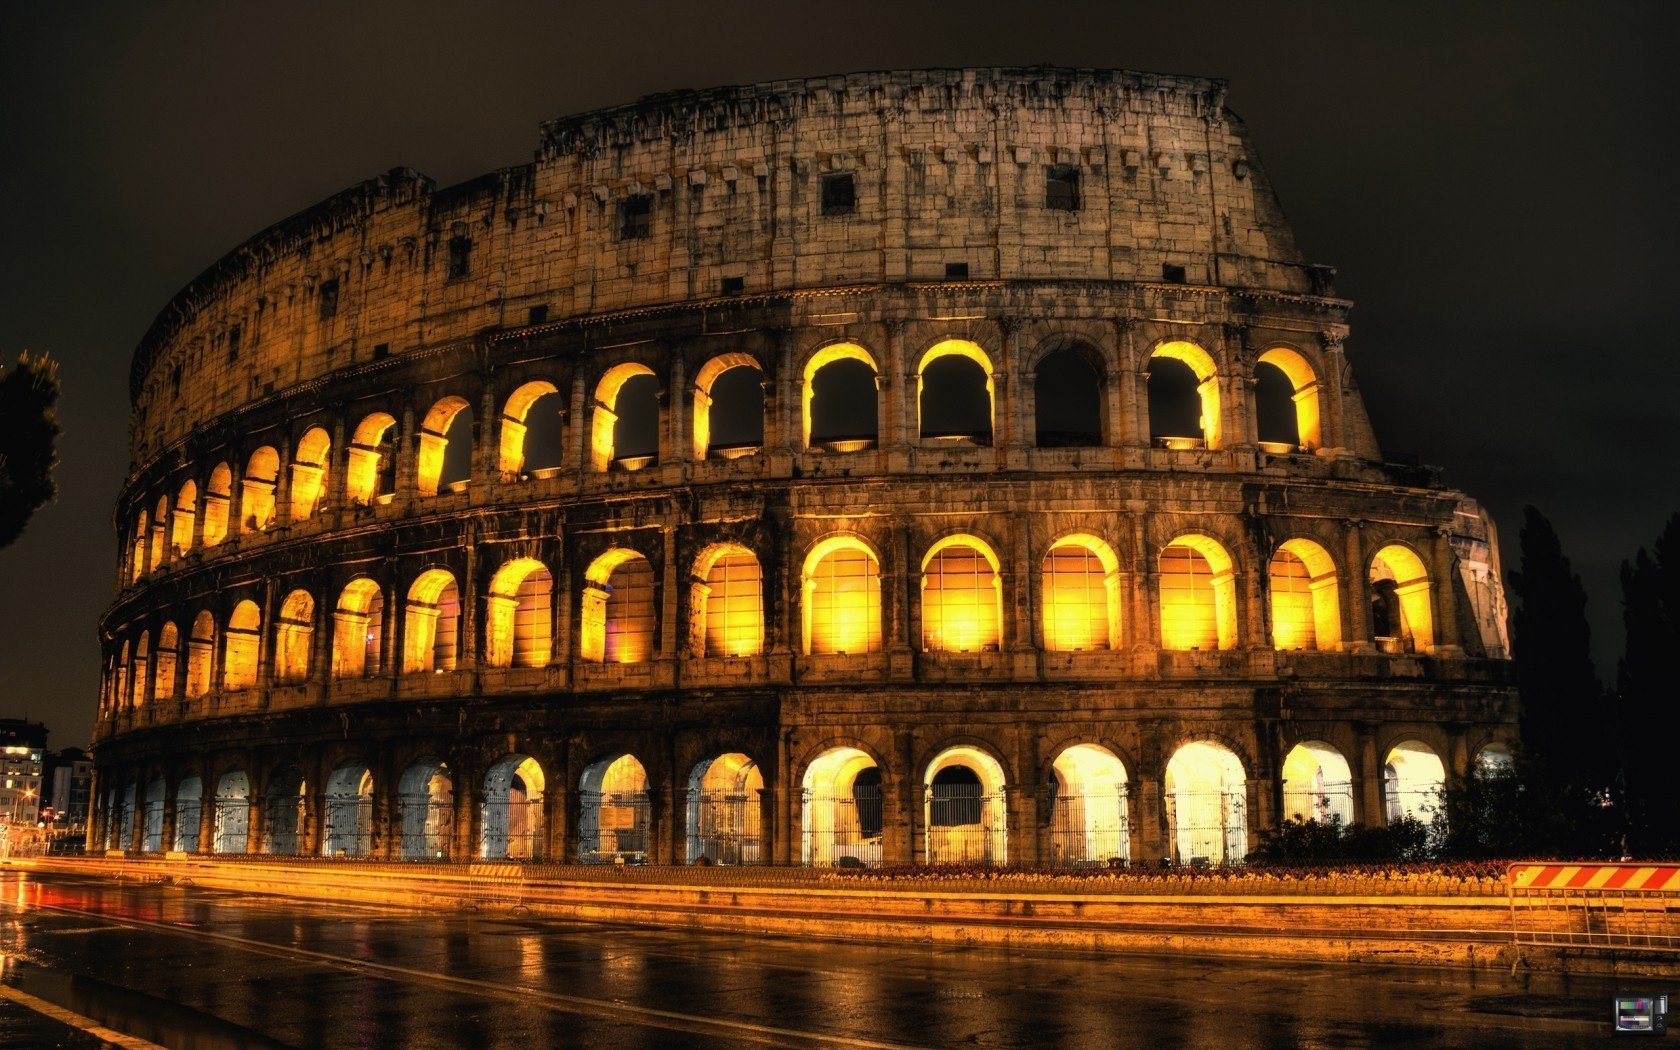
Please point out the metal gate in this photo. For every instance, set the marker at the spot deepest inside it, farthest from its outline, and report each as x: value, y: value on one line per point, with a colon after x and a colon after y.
x: 513, y: 830
x: 1207, y: 827
x: 964, y: 825
x: 843, y: 831
x: 618, y: 832
x: 1595, y: 906
x: 1089, y: 830
x: 726, y: 827
x: 349, y: 830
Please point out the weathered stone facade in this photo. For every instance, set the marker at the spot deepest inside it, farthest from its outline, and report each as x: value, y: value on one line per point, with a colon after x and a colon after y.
x: 292, y: 412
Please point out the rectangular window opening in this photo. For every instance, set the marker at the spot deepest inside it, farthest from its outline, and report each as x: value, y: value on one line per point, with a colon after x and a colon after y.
x: 1172, y: 274
x: 1061, y: 187
x: 956, y: 270
x: 839, y: 194
x: 734, y: 285
x: 537, y: 314
x: 635, y: 215
x: 460, y: 256
x: 233, y: 343
x: 329, y: 299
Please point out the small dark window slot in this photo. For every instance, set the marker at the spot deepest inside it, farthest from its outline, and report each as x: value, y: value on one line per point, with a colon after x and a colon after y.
x: 381, y: 351
x: 839, y: 194
x: 734, y: 285
x: 233, y: 343
x: 537, y: 314
x: 635, y: 217
x: 956, y: 270
x: 1172, y: 274
x: 1061, y: 187
x: 329, y: 299
x: 460, y: 256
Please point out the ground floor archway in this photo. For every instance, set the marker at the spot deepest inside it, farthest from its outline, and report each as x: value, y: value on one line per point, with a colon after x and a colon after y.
x: 613, y: 818
x: 840, y: 810
x: 725, y: 811
x: 513, y: 809
x: 1207, y: 805
x: 1317, y: 784
x: 189, y: 814
x: 966, y: 819
x: 349, y: 812
x: 426, y: 804
x: 1088, y: 809
x: 1413, y: 776
x: 232, y: 822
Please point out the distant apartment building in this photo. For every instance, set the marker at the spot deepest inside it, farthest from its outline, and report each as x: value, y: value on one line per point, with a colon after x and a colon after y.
x: 23, y: 747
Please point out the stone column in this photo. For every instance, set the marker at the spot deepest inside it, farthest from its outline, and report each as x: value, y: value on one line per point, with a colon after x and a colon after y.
x: 207, y: 814
x: 1358, y: 629
x: 670, y: 626
x: 467, y: 657
x: 1371, y: 812
x: 1445, y: 570
x: 1335, y: 363
x: 907, y: 845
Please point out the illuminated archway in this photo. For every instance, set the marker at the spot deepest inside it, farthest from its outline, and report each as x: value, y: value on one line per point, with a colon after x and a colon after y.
x: 218, y: 495
x: 1413, y: 776
x: 370, y: 461
x: 201, y: 651
x: 949, y: 399
x: 1305, y: 597
x: 840, y: 810
x: 426, y: 811
x: 151, y: 829
x: 189, y: 814
x: 239, y: 656
x: 1317, y: 784
x: 610, y: 418
x: 619, y: 614
x: 1302, y: 410
x: 256, y: 499
x: 841, y: 587
x: 309, y: 473
x: 137, y: 676
x: 1198, y: 595
x: 1494, y: 758
x: 232, y: 818
x: 1207, y: 805
x: 137, y: 548
x: 962, y: 596
x: 513, y: 451
x: 838, y: 379
x: 160, y: 533
x: 284, y: 812
x: 512, y: 811
x: 1164, y: 409
x: 1402, y: 617
x: 294, y: 635
x: 724, y: 811
x: 358, y: 629
x: 165, y: 662
x: 966, y: 818
x: 448, y: 424
x: 613, y: 812
x: 727, y: 602
x: 183, y: 518
x: 432, y: 626
x: 1089, y: 824
x: 733, y: 384
x: 518, y: 621
x: 1081, y: 588
x: 349, y: 812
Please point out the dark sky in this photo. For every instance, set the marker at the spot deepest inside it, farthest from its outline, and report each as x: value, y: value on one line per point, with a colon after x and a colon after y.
x: 1495, y: 185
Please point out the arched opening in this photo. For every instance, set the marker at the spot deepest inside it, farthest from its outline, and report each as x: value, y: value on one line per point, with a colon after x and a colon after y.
x: 962, y: 597
x: 201, y: 649
x: 125, y: 822
x: 349, y: 817
x: 256, y: 497
x: 1088, y: 815
x: 624, y: 431
x: 218, y: 496
x: 120, y: 692
x: 727, y: 602
x: 1081, y: 587
x: 139, y: 680
x: 1207, y: 805
x: 1413, y: 776
x: 1317, y: 784
x: 444, y: 457
x: 1198, y: 595
x: 309, y: 473
x: 841, y: 585
x: 426, y: 811
x: 189, y: 814
x: 954, y: 394
x: 183, y: 519
x: 1306, y: 598
x: 966, y: 815
x: 1067, y: 400
x: 728, y: 407
x: 842, y: 402
x: 239, y: 658
x: 432, y: 627
x: 724, y: 811
x: 165, y: 662
x: 1494, y: 759
x: 840, y: 811
x: 232, y: 817
x: 1183, y: 397
x: 358, y: 629
x: 370, y: 463
x: 512, y: 814
x: 532, y: 424
x: 294, y: 636
x: 1402, y: 620
x: 613, y: 812
x: 160, y: 533
x: 137, y: 551
x: 519, y: 619
x: 1286, y: 401
x: 619, y: 612
x: 151, y: 830
x: 283, y: 813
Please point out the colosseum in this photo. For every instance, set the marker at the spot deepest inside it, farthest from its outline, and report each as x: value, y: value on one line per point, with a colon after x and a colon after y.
x: 944, y: 466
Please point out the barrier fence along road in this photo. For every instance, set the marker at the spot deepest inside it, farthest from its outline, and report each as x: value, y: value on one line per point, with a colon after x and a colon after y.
x: 1595, y: 906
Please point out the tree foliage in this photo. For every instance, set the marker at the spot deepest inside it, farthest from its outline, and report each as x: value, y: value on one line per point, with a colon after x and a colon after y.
x: 1648, y: 695
x: 28, y: 442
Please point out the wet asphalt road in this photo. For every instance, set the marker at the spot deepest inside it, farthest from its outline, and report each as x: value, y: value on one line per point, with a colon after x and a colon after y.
x: 196, y: 968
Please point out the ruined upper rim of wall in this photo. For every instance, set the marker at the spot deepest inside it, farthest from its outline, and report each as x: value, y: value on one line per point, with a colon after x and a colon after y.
x: 948, y: 164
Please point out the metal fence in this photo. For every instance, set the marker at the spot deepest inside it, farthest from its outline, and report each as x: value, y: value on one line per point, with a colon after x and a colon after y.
x: 843, y: 831
x: 513, y: 830
x: 613, y: 827
x: 349, y: 826
x: 964, y: 825
x: 151, y: 829
x: 232, y: 825
x: 1089, y: 831
x: 725, y: 827
x: 428, y: 827
x: 1207, y: 827
x: 1599, y: 907
x: 188, y: 814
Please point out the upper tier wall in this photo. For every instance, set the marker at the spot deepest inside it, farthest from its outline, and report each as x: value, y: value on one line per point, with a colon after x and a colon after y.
x: 949, y: 167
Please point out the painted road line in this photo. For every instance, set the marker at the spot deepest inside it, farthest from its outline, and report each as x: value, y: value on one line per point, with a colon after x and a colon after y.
x: 75, y: 1020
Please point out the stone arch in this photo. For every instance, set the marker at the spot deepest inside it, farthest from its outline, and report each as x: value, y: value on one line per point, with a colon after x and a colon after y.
x: 1173, y: 398
x: 613, y: 819
x: 137, y: 548
x: 1286, y: 398
x: 348, y: 830
x: 1413, y: 776
x: 726, y: 601
x: 231, y: 822
x: 359, y: 629
x: 243, y: 644
x: 1089, y: 817
x: 732, y: 383
x: 309, y: 473
x: 294, y: 636
x: 426, y: 810
x: 1317, y: 783
x: 431, y: 630
x: 447, y: 426
x: 620, y: 614
x: 285, y: 811
x: 201, y: 650
x: 218, y: 496
x: 160, y: 534
x: 1080, y: 581
x: 512, y: 812
x: 138, y: 677
x: 1068, y: 384
x: 612, y: 423
x: 165, y: 661
x: 256, y: 498
x: 151, y: 829
x: 1207, y: 804
x: 840, y: 585
x: 962, y: 596
x: 836, y: 377
x: 518, y: 616
x: 1402, y: 617
x: 725, y: 811
x: 513, y: 450
x: 966, y: 818
x: 954, y: 402
x: 1493, y: 757
x: 1305, y: 594
x: 840, y: 809
x: 189, y: 814
x: 1198, y: 594
x: 370, y: 461
x: 184, y: 518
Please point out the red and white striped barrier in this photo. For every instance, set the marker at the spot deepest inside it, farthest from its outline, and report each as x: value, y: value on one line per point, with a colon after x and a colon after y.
x: 1629, y: 878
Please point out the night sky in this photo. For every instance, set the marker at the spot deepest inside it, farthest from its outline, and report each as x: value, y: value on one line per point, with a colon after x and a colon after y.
x: 1495, y: 187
